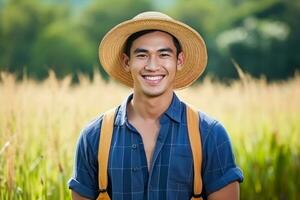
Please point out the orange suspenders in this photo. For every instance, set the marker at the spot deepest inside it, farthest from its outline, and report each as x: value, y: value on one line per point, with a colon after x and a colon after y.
x: 105, y: 142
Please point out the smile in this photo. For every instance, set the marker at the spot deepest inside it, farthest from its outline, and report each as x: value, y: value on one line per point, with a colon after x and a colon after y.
x: 153, y: 79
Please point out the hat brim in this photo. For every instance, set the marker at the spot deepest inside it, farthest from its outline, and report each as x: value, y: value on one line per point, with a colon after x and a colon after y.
x: 194, y: 49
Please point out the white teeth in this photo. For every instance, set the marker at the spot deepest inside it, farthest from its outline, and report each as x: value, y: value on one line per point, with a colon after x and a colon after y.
x: 153, y: 78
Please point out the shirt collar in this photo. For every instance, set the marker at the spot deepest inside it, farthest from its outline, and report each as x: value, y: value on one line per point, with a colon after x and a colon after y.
x: 173, y: 111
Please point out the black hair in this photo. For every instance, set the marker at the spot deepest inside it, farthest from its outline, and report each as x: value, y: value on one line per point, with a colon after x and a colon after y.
x: 138, y: 34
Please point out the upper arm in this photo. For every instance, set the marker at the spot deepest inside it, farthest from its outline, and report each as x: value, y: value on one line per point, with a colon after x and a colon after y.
x: 229, y: 192
x: 85, y: 175
x: 219, y: 169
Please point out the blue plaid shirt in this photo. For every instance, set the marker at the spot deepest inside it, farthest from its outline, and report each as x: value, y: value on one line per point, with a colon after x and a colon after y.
x: 171, y: 172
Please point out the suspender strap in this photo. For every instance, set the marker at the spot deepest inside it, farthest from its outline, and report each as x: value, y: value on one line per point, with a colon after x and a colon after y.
x: 195, y: 141
x: 103, y: 152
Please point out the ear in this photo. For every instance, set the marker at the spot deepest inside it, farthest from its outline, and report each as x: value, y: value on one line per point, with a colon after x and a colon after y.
x: 180, y: 60
x: 125, y: 62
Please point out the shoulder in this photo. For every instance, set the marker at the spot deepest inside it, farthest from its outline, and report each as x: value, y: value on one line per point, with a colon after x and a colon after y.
x: 89, y: 136
x: 93, y: 126
x: 212, y: 129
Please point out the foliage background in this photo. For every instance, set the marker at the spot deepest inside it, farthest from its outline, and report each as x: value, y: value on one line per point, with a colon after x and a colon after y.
x: 46, y: 45
x: 38, y: 35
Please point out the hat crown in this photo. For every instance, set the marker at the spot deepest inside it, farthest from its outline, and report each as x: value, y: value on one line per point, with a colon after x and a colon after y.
x: 152, y: 15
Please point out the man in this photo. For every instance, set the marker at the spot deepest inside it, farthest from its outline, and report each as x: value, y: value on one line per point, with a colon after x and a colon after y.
x: 150, y: 155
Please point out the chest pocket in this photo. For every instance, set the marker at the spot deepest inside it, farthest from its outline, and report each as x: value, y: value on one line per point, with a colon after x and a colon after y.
x: 181, y: 167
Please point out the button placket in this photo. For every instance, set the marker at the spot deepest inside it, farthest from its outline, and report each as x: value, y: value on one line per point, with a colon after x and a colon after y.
x: 134, y: 147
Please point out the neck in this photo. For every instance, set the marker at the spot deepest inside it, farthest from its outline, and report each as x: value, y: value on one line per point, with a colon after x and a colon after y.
x: 148, y: 108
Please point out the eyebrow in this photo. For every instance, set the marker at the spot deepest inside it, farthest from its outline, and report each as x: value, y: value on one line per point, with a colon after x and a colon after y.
x: 166, y: 50
x: 141, y: 50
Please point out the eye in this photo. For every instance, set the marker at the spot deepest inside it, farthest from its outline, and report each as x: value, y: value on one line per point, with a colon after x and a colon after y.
x: 141, y: 55
x: 164, y: 55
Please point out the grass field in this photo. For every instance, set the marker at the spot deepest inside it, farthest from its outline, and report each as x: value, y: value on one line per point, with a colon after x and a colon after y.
x: 40, y: 123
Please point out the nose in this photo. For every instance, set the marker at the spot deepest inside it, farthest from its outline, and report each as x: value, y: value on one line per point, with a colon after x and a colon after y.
x: 152, y: 64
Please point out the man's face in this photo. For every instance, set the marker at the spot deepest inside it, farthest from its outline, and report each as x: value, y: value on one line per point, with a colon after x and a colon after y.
x: 153, y: 64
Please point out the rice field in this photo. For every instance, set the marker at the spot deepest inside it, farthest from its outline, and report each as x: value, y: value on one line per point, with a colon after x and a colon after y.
x: 40, y: 123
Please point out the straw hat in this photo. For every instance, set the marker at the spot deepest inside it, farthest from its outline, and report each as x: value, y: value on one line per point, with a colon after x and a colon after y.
x: 112, y: 47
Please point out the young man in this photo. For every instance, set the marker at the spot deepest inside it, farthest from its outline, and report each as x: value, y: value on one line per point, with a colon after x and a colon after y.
x: 150, y: 155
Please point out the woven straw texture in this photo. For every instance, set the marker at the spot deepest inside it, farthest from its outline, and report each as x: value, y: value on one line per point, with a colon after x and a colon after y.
x: 193, y: 46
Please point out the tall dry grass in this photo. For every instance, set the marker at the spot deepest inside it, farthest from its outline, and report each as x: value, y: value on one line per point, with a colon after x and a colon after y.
x: 40, y: 123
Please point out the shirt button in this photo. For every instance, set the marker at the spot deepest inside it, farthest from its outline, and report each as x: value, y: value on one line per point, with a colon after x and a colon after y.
x: 135, y: 169
x: 134, y: 146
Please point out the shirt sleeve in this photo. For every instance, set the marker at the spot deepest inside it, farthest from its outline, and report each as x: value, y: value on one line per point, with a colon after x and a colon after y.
x: 85, y: 176
x: 219, y: 167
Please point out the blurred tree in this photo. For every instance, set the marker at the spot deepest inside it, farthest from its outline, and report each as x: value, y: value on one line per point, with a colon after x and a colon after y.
x: 291, y: 16
x: 22, y: 23
x: 258, y: 34
x: 62, y: 48
x: 259, y: 46
x: 38, y: 35
x: 268, y: 42
x: 19, y: 25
